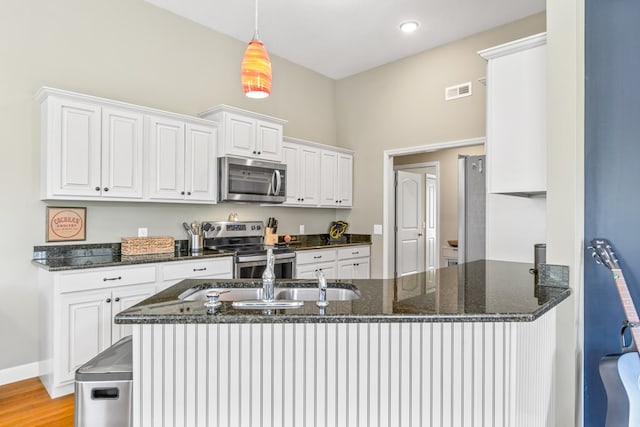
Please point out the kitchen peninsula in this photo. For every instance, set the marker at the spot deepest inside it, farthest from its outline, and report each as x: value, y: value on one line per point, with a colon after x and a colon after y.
x: 472, y: 345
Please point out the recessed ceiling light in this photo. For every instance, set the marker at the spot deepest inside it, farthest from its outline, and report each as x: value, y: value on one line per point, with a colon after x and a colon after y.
x: 409, y: 26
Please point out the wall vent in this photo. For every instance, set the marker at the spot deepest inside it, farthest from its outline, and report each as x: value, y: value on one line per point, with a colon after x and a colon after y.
x: 457, y: 91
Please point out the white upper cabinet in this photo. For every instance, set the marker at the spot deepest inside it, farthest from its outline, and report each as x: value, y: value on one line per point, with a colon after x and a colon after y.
x: 247, y: 134
x: 337, y: 179
x: 89, y: 151
x: 182, y: 160
x: 99, y: 149
x: 516, y: 116
x: 303, y: 172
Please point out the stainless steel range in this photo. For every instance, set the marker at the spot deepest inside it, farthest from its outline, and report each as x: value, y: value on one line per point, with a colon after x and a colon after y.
x: 245, y: 240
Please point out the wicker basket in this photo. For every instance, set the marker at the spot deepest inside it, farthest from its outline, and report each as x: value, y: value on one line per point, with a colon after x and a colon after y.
x: 146, y: 245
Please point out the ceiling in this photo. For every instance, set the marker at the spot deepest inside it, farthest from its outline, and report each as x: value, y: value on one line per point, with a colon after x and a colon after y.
x: 339, y: 38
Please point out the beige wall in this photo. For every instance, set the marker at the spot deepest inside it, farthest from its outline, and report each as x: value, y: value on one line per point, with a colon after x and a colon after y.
x: 448, y: 184
x: 131, y: 51
x: 402, y: 105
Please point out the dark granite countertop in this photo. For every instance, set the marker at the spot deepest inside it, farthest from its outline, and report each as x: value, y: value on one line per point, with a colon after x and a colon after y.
x: 80, y: 256
x: 322, y: 241
x: 480, y: 291
x: 75, y: 257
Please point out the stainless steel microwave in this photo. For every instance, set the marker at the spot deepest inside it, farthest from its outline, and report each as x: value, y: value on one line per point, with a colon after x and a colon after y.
x: 248, y: 180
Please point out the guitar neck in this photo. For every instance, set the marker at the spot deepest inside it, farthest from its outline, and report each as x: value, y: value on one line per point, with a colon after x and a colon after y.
x: 627, y: 304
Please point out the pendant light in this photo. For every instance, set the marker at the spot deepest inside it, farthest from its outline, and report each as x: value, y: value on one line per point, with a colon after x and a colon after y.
x: 256, y: 67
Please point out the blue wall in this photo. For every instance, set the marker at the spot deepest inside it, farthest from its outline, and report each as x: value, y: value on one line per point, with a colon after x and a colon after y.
x: 612, y: 178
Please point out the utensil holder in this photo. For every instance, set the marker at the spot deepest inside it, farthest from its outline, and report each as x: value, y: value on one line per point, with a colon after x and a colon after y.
x: 270, y: 238
x: 196, y: 243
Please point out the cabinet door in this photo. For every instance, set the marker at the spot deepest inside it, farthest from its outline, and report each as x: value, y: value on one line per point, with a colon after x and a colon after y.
x: 123, y: 298
x: 122, y: 139
x: 240, y: 135
x: 329, y: 176
x: 353, y: 269
x: 166, y: 158
x: 344, y: 183
x: 308, y: 271
x: 86, y: 329
x: 309, y: 176
x: 516, y: 122
x: 200, y: 166
x: 269, y: 141
x: 73, y: 148
x: 290, y: 156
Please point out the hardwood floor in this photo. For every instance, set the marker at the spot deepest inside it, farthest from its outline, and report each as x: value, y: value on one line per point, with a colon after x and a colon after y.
x: 26, y: 403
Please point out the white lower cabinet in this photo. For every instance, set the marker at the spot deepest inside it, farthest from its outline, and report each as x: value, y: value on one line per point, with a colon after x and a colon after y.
x: 87, y: 323
x: 211, y: 268
x: 351, y: 262
x: 78, y: 306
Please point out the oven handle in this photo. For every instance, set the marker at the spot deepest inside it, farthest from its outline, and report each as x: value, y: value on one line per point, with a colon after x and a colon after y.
x: 263, y: 262
x: 275, y: 187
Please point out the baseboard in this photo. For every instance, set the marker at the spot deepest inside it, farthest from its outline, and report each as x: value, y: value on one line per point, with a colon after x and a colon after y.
x: 19, y: 373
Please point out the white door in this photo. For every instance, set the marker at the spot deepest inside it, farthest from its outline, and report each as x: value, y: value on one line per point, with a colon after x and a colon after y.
x: 290, y: 158
x: 309, y: 176
x: 75, y: 148
x: 122, y: 136
x: 86, y: 329
x: 269, y: 141
x: 409, y: 223
x: 345, y: 180
x: 200, y: 162
x: 329, y: 167
x: 431, y: 227
x: 240, y: 135
x: 166, y: 158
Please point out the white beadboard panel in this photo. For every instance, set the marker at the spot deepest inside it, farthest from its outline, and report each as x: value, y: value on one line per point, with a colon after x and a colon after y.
x: 351, y: 374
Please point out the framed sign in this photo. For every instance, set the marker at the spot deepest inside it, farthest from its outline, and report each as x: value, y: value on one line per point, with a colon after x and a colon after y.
x: 66, y: 224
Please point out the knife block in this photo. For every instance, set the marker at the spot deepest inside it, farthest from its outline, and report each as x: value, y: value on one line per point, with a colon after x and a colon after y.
x: 270, y: 238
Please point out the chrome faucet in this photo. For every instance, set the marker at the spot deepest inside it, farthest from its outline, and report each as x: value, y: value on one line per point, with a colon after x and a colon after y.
x: 322, y: 289
x: 269, y: 278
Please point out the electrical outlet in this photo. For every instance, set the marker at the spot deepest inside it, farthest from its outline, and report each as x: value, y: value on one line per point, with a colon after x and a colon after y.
x: 377, y: 228
x: 301, y: 229
x: 142, y: 232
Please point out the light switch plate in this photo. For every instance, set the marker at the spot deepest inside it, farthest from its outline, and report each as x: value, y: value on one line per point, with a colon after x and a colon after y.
x: 142, y: 232
x: 377, y: 228
x: 301, y: 229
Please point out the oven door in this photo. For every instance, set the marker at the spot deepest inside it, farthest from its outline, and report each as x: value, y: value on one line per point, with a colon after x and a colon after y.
x: 283, y: 269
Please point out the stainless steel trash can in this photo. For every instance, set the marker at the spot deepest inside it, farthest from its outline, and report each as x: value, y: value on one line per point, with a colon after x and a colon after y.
x: 103, y: 388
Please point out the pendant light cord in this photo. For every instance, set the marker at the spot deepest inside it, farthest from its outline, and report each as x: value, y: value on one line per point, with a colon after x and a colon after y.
x: 255, y: 34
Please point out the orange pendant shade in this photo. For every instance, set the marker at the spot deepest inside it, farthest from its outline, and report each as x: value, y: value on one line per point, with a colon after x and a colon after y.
x: 256, y: 71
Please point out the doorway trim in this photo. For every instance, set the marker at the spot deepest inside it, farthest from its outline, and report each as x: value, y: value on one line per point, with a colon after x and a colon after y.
x: 388, y: 193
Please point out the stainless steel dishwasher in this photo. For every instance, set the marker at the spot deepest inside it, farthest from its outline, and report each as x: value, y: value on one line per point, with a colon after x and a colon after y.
x: 103, y: 388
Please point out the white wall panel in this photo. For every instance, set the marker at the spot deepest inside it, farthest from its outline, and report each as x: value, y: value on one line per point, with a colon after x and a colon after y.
x: 378, y: 374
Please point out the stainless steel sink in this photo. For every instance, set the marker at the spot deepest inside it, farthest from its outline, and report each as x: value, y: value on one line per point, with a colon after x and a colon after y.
x: 226, y: 294
x: 311, y: 294
x: 306, y: 293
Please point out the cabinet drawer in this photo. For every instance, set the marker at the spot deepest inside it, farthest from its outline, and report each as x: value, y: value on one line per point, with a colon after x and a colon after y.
x: 206, y: 267
x: 315, y: 256
x: 106, y: 277
x: 354, y: 252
